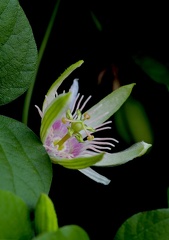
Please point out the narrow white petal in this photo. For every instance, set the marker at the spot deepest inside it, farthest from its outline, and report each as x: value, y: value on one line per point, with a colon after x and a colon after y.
x: 95, y: 176
x: 74, y: 88
x: 114, y: 159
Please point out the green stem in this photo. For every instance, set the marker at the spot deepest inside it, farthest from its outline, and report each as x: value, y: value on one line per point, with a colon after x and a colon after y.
x: 28, y: 97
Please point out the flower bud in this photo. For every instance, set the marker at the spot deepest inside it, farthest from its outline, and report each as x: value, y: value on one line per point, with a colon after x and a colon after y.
x: 45, y: 215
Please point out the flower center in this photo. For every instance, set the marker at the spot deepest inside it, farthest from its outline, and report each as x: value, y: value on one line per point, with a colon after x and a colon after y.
x: 76, y: 124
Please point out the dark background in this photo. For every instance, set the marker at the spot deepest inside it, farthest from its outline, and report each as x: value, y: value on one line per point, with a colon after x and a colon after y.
x: 127, y: 29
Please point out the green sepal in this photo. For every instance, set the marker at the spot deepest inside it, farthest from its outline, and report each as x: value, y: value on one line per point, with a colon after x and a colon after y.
x: 78, y: 163
x: 56, y: 110
x: 52, y: 90
x: 114, y: 159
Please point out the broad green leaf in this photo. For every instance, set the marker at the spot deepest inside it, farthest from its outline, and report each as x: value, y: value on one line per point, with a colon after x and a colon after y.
x: 104, y: 109
x: 71, y: 232
x: 14, y: 217
x: 18, y: 53
x: 114, y: 159
x: 52, y: 91
x: 25, y: 168
x: 151, y: 225
x: 154, y: 69
x: 132, y: 122
x: 79, y: 162
x: 45, y: 215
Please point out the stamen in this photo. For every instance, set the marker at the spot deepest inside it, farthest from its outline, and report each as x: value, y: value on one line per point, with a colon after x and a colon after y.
x: 86, y: 116
x: 90, y: 137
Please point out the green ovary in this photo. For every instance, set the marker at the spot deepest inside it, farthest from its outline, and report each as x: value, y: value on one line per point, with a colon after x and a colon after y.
x: 77, y: 127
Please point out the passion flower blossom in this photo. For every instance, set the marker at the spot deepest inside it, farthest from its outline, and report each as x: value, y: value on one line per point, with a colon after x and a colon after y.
x: 68, y: 132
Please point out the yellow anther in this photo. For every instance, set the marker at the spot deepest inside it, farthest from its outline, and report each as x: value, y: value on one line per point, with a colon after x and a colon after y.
x: 90, y: 137
x: 86, y: 116
x: 64, y: 120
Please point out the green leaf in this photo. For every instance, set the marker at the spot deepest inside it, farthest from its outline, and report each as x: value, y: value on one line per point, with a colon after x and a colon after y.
x: 25, y: 166
x: 132, y: 122
x: 18, y: 53
x: 14, y: 217
x: 78, y: 163
x: 114, y: 159
x: 103, y: 110
x: 71, y: 232
x: 154, y: 69
x: 151, y: 225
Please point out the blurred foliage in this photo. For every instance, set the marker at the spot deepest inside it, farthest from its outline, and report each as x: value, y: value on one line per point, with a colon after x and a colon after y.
x: 132, y: 122
x: 154, y: 69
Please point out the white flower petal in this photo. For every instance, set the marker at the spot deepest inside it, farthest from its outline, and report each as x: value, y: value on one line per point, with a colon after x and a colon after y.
x: 114, y: 159
x: 103, y: 110
x: 74, y: 90
x: 95, y: 176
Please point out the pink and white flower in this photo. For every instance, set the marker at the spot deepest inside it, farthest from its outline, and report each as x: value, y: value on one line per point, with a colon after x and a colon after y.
x: 68, y: 132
